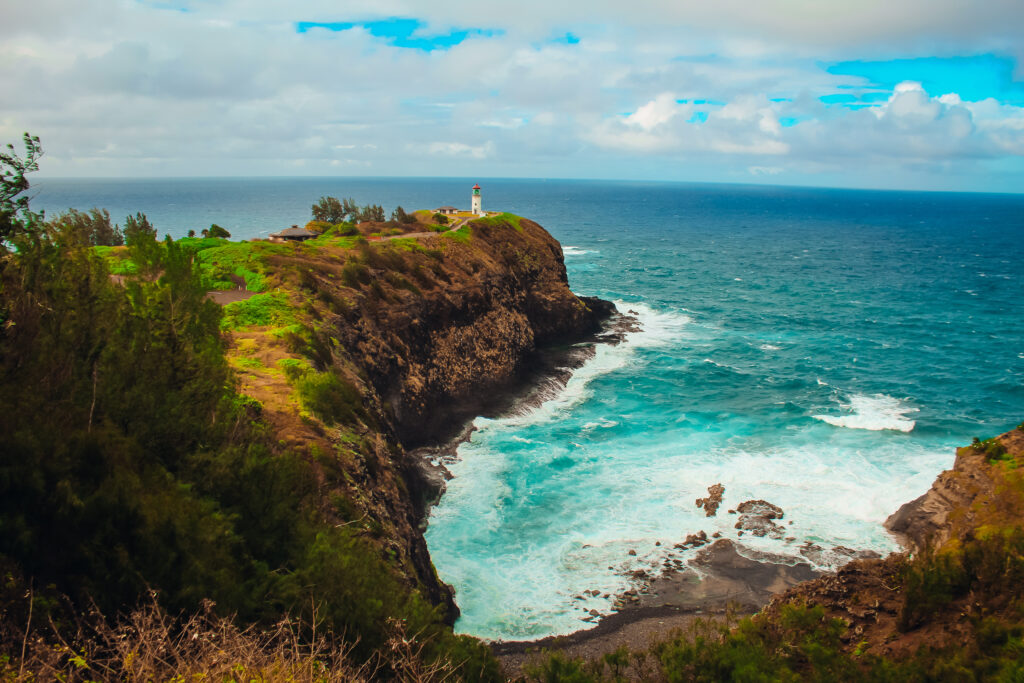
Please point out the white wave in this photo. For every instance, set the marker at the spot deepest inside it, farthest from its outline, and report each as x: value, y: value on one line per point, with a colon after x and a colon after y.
x: 768, y: 347
x: 575, y: 251
x: 875, y: 413
x: 655, y: 329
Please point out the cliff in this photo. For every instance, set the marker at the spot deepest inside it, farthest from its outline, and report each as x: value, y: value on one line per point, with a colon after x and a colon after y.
x: 419, y: 333
x: 223, y: 426
x: 973, y: 494
x: 954, y: 598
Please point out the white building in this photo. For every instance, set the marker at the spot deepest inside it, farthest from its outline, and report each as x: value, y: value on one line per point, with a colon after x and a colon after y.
x: 477, y: 207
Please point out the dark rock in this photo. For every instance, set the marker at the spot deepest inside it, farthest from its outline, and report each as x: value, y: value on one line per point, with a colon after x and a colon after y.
x: 714, y: 499
x: 761, y: 508
x: 756, y: 517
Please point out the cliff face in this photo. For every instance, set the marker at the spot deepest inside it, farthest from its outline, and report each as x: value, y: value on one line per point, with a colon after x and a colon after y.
x: 959, y: 501
x: 963, y: 572
x: 419, y: 332
x: 435, y: 357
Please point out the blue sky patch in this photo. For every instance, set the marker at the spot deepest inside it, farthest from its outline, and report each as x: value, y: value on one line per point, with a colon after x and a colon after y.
x: 401, y: 32
x: 972, y: 78
x: 698, y: 117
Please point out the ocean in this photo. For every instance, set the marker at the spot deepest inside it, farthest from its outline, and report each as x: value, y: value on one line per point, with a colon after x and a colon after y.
x: 824, y: 350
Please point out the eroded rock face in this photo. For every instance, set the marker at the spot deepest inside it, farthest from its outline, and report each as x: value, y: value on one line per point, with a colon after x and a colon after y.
x: 756, y: 517
x: 713, y: 501
x: 445, y: 355
x: 427, y: 356
x: 926, y: 520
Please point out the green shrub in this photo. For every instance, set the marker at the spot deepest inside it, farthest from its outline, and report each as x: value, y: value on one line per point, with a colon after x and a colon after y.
x: 270, y: 309
x: 293, y: 368
x: 930, y: 581
x: 993, y: 449
x: 354, y: 274
x: 342, y: 230
x: 330, y: 398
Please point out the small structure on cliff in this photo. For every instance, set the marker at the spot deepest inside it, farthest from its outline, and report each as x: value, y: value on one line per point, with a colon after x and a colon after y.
x: 447, y: 210
x: 292, y: 234
x: 477, y: 206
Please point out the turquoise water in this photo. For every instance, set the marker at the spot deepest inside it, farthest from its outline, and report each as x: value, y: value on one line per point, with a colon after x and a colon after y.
x: 823, y: 350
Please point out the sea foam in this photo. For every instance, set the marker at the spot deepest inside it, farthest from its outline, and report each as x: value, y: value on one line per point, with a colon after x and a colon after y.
x: 875, y: 413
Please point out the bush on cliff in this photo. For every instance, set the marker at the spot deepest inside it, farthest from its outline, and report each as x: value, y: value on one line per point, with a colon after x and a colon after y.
x: 130, y: 463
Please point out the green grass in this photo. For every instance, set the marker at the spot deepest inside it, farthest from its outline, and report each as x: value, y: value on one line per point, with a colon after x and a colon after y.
x: 220, y: 259
x: 501, y: 219
x: 407, y: 244
x: 332, y: 240
x: 463, y: 235
x: 272, y: 308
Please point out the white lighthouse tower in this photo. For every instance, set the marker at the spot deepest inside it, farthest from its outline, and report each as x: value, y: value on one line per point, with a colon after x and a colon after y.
x: 477, y: 207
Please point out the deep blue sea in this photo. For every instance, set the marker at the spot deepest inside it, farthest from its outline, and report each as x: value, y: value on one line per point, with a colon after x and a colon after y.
x: 825, y: 350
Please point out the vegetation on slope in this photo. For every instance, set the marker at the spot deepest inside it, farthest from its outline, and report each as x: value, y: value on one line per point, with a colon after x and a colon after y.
x: 131, y: 461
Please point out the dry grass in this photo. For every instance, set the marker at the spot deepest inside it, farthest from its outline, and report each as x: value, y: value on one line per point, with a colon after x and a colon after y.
x: 150, y: 645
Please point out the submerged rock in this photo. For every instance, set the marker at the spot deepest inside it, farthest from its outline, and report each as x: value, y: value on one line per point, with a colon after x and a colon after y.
x: 714, y: 499
x: 756, y: 517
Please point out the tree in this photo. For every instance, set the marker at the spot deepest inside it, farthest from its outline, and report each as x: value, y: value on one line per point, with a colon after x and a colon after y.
x: 15, y: 215
x: 440, y: 218
x: 217, y: 231
x: 86, y: 229
x: 330, y: 210
x: 400, y: 216
x: 371, y: 212
x: 138, y: 225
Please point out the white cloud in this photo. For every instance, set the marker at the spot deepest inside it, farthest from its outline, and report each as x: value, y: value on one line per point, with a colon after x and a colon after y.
x: 658, y: 111
x: 764, y: 170
x: 462, y: 149
x: 231, y: 88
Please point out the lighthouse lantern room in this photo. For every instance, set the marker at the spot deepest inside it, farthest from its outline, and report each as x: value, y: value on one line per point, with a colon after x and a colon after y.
x: 477, y: 207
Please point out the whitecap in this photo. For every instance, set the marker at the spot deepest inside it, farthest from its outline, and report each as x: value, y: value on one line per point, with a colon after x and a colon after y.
x: 875, y: 413
x: 769, y: 347
x: 575, y: 251
x: 655, y: 329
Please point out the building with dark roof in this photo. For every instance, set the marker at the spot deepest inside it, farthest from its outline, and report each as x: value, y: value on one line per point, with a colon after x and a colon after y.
x: 292, y: 234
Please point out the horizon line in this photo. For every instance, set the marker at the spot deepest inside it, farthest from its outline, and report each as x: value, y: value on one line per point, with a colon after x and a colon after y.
x: 852, y: 188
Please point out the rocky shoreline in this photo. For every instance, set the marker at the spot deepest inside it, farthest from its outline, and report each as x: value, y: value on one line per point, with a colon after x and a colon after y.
x: 549, y: 371
x: 700, y: 577
x: 734, y: 581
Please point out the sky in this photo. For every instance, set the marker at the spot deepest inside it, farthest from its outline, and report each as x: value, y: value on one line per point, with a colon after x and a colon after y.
x: 901, y: 94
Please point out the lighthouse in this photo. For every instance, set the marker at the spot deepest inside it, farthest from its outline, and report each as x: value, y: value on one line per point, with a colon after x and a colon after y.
x: 477, y: 207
